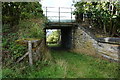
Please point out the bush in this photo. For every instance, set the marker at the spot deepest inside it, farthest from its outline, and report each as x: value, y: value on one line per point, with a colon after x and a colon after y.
x: 11, y: 50
x: 31, y: 29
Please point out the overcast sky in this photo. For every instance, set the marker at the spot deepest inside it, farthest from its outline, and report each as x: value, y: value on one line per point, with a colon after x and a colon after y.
x: 57, y: 3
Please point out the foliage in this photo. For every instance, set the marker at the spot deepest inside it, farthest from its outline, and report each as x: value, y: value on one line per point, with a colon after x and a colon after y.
x: 20, y: 20
x: 31, y: 28
x: 11, y: 50
x: 13, y: 12
x: 54, y: 36
x: 66, y: 65
x: 100, y: 13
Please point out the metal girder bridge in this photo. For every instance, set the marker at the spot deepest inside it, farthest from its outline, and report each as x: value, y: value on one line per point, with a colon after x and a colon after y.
x: 59, y: 17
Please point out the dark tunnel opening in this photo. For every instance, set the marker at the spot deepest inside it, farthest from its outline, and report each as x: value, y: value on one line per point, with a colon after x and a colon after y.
x: 66, y: 37
x: 59, y: 37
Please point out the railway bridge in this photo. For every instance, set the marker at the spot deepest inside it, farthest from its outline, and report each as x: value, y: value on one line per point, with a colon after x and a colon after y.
x: 78, y: 38
x: 61, y: 18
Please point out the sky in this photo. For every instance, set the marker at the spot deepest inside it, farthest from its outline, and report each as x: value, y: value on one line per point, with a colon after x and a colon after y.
x: 56, y: 4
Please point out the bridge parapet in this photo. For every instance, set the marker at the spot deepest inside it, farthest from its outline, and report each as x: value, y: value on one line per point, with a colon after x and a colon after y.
x: 59, y: 14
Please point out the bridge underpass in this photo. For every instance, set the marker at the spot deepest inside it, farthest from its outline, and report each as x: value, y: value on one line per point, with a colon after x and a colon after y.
x: 63, y: 19
x: 66, y: 36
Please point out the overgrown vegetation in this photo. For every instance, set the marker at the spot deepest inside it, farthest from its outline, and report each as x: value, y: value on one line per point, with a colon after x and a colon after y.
x: 26, y: 20
x: 66, y: 65
x: 106, y: 14
x: 13, y: 12
x: 20, y: 20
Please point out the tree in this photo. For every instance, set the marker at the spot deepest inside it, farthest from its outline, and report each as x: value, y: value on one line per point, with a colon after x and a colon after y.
x: 13, y: 12
x: 106, y: 14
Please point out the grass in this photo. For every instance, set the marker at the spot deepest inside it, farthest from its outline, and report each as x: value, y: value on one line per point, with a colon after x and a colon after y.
x: 83, y: 66
x: 53, y: 45
x: 65, y: 65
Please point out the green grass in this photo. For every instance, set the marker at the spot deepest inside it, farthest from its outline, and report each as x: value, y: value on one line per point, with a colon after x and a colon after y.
x: 53, y: 45
x: 66, y: 65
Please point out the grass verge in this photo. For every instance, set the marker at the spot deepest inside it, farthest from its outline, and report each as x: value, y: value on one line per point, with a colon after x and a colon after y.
x: 65, y: 65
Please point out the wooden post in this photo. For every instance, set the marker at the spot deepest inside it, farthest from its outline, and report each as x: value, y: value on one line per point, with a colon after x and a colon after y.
x: 30, y: 52
x: 23, y: 57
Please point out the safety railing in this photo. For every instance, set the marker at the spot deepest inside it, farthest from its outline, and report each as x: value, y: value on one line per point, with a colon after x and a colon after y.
x: 59, y: 14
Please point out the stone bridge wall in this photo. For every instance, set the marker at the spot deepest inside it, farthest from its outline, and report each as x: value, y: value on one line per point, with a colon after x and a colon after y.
x: 86, y: 43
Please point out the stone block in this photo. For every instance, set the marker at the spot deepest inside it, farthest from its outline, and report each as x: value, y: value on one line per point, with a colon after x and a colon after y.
x: 84, y: 42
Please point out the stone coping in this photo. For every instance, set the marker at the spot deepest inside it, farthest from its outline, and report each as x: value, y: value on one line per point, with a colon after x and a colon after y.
x: 109, y: 40
x: 112, y: 40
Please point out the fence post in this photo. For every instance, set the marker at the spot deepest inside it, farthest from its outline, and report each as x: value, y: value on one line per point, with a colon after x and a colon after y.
x: 30, y: 52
